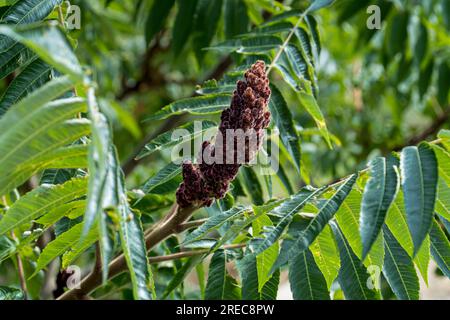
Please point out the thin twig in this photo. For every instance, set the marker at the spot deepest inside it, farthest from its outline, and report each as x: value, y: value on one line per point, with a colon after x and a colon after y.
x: 185, y: 254
x: 23, y: 283
x: 161, y: 232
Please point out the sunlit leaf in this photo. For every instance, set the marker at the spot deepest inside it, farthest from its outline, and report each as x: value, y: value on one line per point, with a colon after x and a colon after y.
x: 58, y: 246
x: 266, y: 259
x: 398, y: 225
x: 326, y: 255
x: 40, y: 201
x: 422, y: 259
x: 348, y: 219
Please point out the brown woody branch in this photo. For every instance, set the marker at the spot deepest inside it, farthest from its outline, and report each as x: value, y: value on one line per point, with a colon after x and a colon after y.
x: 432, y: 129
x: 20, y: 270
x: 149, y: 76
x: 186, y: 254
x: 163, y: 230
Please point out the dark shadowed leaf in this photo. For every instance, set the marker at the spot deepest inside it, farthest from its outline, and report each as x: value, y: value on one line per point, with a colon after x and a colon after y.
x: 306, y: 279
x: 28, y: 11
x: 353, y: 276
x: 206, y: 104
x: 184, y: 23
x: 9, y: 293
x: 183, y: 134
x: 283, y: 120
x: 313, y: 28
x: 220, y: 285
x: 270, y: 289
x: 32, y: 77
x: 248, y: 271
x: 16, y: 56
x: 379, y: 193
x: 443, y: 83
x: 179, y: 277
x: 165, y: 175
x: 252, y: 185
x: 50, y: 44
x: 236, y: 18
x: 318, y: 223
x: 205, y: 25
x: 286, y: 210
x: 419, y: 182
x: 398, y: 269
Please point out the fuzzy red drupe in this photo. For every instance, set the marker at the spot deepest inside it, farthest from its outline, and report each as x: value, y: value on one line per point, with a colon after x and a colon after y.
x: 247, y: 114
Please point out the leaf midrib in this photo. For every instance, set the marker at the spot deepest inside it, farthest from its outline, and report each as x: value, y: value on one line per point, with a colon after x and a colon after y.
x: 422, y: 194
x: 373, y: 236
x: 398, y: 271
x: 352, y: 263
